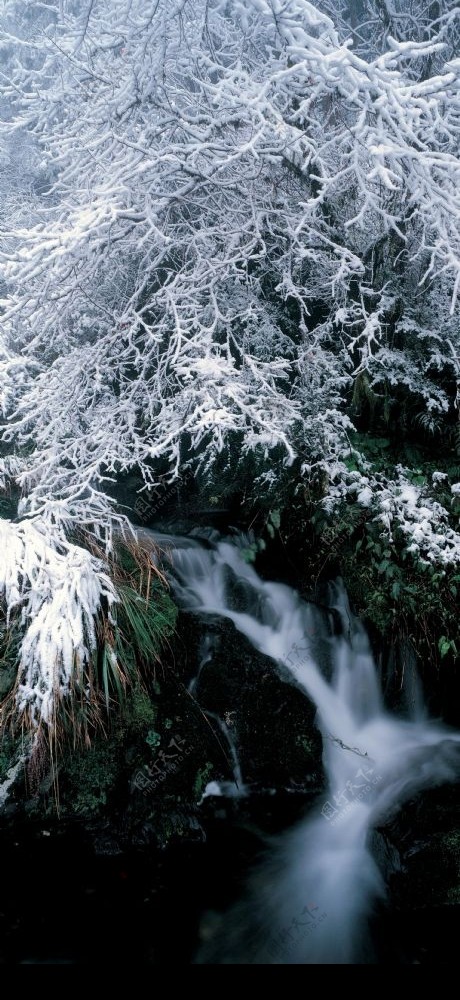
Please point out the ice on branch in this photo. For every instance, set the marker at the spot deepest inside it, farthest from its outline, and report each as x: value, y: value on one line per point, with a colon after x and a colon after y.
x: 59, y: 591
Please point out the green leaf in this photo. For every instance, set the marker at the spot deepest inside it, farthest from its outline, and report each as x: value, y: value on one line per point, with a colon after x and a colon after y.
x: 444, y: 646
x: 275, y: 518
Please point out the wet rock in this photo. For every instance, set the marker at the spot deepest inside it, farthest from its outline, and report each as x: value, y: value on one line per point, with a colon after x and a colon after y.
x: 419, y: 924
x: 426, y: 834
x: 271, y: 720
x: 386, y: 854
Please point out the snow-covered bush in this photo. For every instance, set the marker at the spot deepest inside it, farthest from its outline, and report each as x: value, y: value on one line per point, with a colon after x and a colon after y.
x: 400, y: 507
x: 59, y: 591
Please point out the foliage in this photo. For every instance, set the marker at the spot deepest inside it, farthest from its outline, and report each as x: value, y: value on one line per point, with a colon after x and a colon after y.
x: 202, y: 779
x: 153, y: 739
x: 91, y: 775
x: 254, y: 544
x: 139, y: 712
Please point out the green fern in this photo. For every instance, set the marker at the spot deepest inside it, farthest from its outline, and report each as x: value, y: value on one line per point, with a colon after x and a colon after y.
x: 430, y: 424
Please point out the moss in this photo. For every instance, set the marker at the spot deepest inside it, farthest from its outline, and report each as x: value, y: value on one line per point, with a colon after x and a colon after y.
x: 450, y: 852
x: 90, y: 777
x: 452, y: 842
x: 305, y: 745
x: 139, y: 712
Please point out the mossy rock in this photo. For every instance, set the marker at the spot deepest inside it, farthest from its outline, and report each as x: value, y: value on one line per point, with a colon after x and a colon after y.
x: 426, y: 832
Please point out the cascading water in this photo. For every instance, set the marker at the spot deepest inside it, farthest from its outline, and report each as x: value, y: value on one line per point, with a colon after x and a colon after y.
x: 236, y: 787
x: 309, y: 904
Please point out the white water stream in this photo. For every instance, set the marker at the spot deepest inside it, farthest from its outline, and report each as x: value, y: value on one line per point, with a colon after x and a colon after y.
x: 310, y: 904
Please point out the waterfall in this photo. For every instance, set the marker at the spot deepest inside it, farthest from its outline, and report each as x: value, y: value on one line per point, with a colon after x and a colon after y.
x: 310, y: 902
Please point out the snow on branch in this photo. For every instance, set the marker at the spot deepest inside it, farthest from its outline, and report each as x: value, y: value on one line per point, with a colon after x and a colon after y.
x: 400, y: 507
x: 58, y: 590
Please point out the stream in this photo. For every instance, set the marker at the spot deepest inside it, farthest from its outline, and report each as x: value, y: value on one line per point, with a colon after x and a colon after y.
x: 312, y: 899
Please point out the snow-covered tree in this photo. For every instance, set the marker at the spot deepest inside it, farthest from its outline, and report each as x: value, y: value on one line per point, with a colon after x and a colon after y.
x: 372, y: 24
x: 240, y: 214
